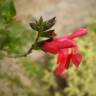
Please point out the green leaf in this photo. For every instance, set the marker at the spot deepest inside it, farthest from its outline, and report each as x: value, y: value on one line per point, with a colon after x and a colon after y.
x: 41, y: 20
x: 7, y: 9
x: 33, y: 26
x: 49, y: 24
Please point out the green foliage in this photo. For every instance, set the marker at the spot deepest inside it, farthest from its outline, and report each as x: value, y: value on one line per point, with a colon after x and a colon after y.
x: 14, y: 35
x: 7, y: 9
x: 31, y: 68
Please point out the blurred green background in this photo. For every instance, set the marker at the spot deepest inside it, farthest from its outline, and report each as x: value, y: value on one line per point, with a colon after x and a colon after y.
x: 34, y: 75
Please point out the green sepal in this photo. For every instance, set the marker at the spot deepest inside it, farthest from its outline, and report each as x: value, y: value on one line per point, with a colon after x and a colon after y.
x: 47, y: 33
x: 40, y: 43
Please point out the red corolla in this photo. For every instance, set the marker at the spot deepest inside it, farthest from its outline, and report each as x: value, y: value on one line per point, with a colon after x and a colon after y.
x: 62, y: 47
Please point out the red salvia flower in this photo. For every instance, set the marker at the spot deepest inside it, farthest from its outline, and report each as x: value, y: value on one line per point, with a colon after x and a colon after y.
x: 61, y: 47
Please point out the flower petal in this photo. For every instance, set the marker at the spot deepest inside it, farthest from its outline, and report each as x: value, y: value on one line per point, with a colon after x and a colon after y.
x: 68, y: 61
x: 76, y: 59
x: 59, y: 69
x: 59, y: 58
x: 50, y: 47
x: 67, y: 43
x: 62, y: 56
x: 78, y: 33
x: 63, y: 61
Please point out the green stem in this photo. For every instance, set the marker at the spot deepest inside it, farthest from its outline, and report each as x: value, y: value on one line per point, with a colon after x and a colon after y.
x: 30, y: 50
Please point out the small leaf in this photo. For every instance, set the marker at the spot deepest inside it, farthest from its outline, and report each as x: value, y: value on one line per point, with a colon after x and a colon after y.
x: 50, y: 23
x: 53, y: 20
x: 41, y: 20
x: 33, y: 26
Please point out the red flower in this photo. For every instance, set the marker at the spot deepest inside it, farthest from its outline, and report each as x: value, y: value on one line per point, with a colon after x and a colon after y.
x: 61, y: 47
